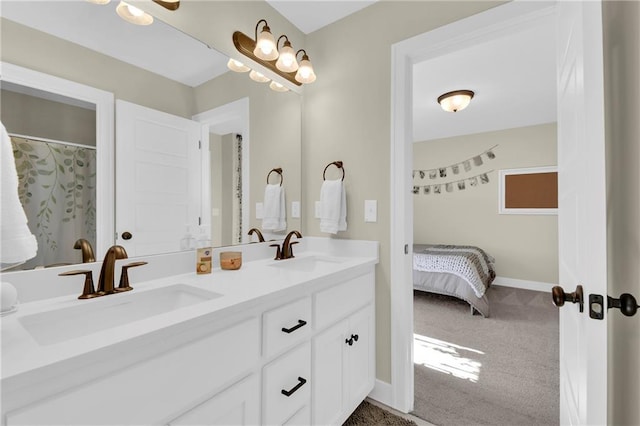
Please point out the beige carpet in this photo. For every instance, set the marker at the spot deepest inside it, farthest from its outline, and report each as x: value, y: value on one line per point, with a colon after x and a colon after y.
x: 501, y: 370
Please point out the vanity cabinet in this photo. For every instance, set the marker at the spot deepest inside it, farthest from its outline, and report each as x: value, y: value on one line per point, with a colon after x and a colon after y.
x: 343, y: 369
x: 305, y: 356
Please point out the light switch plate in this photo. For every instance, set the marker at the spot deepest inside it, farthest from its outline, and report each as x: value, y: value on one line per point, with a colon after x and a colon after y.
x: 370, y: 210
x: 259, y: 210
x: 317, y: 209
x: 295, y: 209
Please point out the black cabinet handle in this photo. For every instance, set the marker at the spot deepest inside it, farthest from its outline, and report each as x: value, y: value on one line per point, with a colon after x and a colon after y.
x: 301, y: 382
x: 301, y: 323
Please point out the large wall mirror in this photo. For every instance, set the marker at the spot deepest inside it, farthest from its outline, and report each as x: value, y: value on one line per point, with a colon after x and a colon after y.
x: 66, y: 151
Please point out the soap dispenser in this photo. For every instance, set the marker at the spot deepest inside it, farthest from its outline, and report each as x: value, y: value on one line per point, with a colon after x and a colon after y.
x: 187, y: 242
x: 203, y: 252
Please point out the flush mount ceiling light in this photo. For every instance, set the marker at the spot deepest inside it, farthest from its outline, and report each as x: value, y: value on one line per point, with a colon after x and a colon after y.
x: 137, y: 16
x: 265, y: 51
x: 455, y: 101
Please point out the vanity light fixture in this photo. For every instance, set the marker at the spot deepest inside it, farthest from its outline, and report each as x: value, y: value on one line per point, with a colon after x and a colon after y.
x: 237, y: 66
x: 274, y: 85
x: 287, y: 56
x: 265, y: 51
x: 256, y: 76
x: 133, y: 15
x: 266, y: 48
x: 305, y: 72
x: 137, y: 16
x: 455, y: 101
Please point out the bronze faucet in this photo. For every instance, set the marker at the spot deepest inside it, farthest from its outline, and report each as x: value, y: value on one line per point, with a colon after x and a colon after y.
x: 87, y: 250
x: 287, y: 251
x: 257, y: 231
x: 106, y: 280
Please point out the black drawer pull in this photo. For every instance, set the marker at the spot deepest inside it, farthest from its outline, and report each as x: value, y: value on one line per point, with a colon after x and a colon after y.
x: 301, y: 382
x: 301, y: 323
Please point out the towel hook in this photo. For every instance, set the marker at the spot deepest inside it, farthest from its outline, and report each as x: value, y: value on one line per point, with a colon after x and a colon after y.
x: 338, y: 164
x: 278, y: 171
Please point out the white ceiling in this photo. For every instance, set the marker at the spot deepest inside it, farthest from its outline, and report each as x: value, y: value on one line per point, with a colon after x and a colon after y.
x: 514, y: 80
x: 311, y: 15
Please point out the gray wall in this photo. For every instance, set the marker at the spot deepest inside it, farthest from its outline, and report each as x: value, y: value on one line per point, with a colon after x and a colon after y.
x: 622, y: 109
x: 525, y: 246
x: 32, y: 116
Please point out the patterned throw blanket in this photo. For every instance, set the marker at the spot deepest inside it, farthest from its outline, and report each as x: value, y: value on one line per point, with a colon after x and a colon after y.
x: 470, y: 263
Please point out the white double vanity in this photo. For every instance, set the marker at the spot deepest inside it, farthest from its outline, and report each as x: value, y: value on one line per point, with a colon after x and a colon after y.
x: 275, y: 342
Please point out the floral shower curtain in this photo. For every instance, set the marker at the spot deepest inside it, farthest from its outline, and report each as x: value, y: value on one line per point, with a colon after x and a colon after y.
x: 57, y: 188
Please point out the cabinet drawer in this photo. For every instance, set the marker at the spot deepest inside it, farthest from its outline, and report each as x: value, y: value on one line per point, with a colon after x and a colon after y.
x: 301, y: 418
x: 338, y: 301
x: 286, y: 326
x: 152, y: 391
x: 285, y: 385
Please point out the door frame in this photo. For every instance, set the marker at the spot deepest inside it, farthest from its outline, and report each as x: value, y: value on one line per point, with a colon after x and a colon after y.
x: 457, y: 35
x: 105, y: 148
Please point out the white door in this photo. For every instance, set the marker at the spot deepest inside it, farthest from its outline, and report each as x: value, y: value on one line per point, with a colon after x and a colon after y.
x: 582, y: 210
x: 158, y: 179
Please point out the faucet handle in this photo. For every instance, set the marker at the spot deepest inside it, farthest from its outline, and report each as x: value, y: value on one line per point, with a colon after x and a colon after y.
x: 291, y: 248
x: 124, y: 276
x: 88, y: 291
x: 278, y: 252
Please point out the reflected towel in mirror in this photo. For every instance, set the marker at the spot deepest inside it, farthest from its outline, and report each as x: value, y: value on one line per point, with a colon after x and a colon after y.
x: 274, y: 209
x: 18, y: 243
x: 333, y: 207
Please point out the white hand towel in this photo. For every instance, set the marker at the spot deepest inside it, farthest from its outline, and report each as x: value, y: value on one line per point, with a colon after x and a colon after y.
x: 333, y: 207
x: 18, y: 244
x: 274, y: 209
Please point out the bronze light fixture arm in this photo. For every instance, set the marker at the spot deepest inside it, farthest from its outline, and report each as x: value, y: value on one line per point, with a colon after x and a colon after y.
x: 169, y: 5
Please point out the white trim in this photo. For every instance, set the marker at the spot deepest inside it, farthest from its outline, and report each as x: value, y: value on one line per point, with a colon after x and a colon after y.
x: 104, y: 102
x: 460, y: 34
x: 238, y: 109
x: 523, y: 284
x: 523, y: 171
x: 47, y: 140
x: 382, y: 392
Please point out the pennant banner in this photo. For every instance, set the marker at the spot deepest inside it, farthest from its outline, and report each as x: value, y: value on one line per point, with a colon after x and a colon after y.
x: 459, y: 185
x: 454, y: 169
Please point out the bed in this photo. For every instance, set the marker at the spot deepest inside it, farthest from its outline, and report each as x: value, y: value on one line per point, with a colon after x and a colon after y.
x: 465, y: 272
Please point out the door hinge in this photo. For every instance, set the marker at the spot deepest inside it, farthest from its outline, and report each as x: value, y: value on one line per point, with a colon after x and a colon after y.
x: 199, y: 144
x: 199, y: 221
x: 406, y: 249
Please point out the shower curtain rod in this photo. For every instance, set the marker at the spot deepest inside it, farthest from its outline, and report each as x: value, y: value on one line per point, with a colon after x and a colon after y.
x: 39, y: 139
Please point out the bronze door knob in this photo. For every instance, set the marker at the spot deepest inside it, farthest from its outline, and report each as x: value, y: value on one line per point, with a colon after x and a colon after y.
x: 126, y: 235
x: 559, y: 296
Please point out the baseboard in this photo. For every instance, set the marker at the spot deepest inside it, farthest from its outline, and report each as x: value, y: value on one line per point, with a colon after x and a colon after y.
x: 524, y: 284
x: 382, y: 392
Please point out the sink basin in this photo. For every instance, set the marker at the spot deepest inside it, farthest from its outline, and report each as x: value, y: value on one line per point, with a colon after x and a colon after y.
x: 308, y: 263
x: 110, y: 311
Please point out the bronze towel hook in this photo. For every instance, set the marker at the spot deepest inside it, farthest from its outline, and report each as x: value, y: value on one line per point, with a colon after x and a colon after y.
x: 338, y: 164
x: 278, y: 171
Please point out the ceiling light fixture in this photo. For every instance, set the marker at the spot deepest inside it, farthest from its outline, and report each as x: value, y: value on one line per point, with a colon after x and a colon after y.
x: 455, y: 101
x: 280, y: 60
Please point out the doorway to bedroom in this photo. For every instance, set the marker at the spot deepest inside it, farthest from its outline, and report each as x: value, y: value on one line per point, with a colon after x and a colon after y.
x: 498, y: 365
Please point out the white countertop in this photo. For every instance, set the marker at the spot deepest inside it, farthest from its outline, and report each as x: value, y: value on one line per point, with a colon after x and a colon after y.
x: 256, y: 281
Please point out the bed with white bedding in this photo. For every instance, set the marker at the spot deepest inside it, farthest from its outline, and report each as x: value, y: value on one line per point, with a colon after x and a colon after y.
x: 465, y: 272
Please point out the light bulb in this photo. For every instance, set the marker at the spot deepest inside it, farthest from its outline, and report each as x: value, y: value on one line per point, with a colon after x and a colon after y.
x: 237, y: 66
x: 256, y: 76
x: 287, y: 59
x: 133, y: 15
x: 274, y: 85
x: 305, y: 73
x: 266, y: 45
